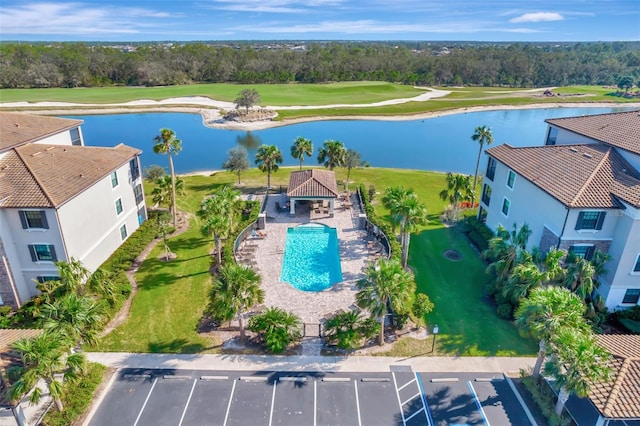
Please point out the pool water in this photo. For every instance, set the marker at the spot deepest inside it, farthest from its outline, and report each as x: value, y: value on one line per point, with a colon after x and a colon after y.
x: 311, y: 258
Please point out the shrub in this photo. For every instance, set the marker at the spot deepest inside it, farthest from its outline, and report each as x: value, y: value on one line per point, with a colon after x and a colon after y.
x: 276, y: 328
x: 76, y: 397
x: 477, y: 232
x: 629, y: 318
x: 505, y: 310
x: 382, y: 224
x: 545, y: 399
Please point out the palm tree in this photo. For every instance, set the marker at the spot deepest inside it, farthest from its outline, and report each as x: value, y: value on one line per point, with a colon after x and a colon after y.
x: 217, y: 214
x: 544, y: 312
x: 162, y: 193
x: 346, y: 330
x: 528, y: 274
x: 579, y: 277
x: 236, y: 290
x: 277, y: 328
x: 301, y: 147
x: 413, y: 215
x: 351, y: 159
x: 332, y: 154
x: 577, y: 362
x: 166, y: 143
x: 75, y: 317
x: 43, y: 358
x: 506, y: 250
x: 483, y: 135
x: 386, y: 284
x: 407, y: 212
x: 458, y: 190
x: 267, y: 158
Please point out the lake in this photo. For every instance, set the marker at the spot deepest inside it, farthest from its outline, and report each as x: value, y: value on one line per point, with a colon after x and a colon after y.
x: 439, y: 143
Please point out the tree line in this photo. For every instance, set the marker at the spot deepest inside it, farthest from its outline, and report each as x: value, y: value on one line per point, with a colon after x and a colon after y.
x: 497, y: 64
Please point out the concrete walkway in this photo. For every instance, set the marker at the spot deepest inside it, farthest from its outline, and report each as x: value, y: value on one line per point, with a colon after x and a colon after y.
x: 308, y: 363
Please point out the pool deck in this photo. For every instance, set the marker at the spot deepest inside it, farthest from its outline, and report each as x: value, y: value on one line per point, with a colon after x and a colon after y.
x: 265, y: 254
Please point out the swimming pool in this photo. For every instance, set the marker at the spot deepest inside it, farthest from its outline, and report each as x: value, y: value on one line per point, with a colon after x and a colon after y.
x: 311, y: 257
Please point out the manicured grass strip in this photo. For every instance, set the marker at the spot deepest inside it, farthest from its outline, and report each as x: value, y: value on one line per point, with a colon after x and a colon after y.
x: 270, y: 94
x: 468, y: 324
x: 76, y: 397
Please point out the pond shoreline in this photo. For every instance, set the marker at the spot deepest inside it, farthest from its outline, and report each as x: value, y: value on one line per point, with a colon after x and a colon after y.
x: 212, y: 118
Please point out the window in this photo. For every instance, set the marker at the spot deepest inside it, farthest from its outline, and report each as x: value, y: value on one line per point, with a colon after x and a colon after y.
x: 44, y: 278
x: 119, y: 206
x: 33, y: 219
x: 75, y: 137
x: 137, y: 191
x: 590, y: 220
x: 135, y: 169
x: 632, y: 295
x: 42, y: 253
x: 491, y: 169
x: 114, y: 179
x: 505, y: 207
x: 123, y: 232
x: 636, y: 268
x: 482, y: 215
x: 552, y: 135
x: 486, y: 194
x: 511, y: 178
x: 584, y: 251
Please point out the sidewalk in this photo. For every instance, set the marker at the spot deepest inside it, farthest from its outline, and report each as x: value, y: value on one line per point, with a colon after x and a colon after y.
x: 308, y: 363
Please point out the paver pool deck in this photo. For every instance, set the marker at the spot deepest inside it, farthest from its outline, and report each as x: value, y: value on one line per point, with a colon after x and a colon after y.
x: 268, y: 255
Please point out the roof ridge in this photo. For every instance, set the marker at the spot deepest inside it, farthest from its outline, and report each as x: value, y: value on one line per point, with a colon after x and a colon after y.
x: 40, y: 185
x: 615, y: 389
x: 596, y: 170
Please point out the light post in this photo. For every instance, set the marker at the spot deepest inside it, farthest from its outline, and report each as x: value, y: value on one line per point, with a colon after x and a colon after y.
x: 435, y: 334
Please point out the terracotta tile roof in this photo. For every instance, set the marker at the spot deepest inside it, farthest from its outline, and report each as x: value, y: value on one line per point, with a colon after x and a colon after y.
x: 619, y: 129
x: 579, y: 176
x: 18, y: 129
x: 41, y: 175
x: 313, y: 183
x: 9, y: 336
x: 620, y: 398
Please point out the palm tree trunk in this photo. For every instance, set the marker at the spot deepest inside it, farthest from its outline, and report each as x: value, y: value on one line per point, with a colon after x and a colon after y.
x: 542, y: 351
x: 301, y: 162
x: 58, y: 403
x: 405, y: 251
x: 219, y: 250
x: 241, y: 323
x: 563, y: 396
x: 382, y: 330
x: 174, y: 211
x: 475, y: 177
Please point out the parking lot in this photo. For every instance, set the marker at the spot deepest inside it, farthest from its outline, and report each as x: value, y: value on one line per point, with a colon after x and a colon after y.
x: 399, y: 397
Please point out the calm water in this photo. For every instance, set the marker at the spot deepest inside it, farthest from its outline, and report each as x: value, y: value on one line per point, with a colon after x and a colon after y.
x: 311, y: 258
x: 441, y: 143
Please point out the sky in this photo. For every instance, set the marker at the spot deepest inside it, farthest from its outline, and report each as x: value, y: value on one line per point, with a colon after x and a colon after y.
x: 187, y: 20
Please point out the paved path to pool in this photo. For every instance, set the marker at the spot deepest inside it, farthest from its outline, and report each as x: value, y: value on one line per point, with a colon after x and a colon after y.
x: 311, y: 307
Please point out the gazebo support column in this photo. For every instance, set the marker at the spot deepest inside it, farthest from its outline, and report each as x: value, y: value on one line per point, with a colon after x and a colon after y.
x: 292, y: 208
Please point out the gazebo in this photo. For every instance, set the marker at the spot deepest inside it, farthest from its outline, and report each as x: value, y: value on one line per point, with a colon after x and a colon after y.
x: 312, y: 185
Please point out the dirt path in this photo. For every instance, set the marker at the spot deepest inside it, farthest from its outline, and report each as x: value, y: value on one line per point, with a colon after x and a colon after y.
x: 123, y: 313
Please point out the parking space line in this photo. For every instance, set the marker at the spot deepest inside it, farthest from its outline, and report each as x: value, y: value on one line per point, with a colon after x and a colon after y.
x: 226, y: 416
x: 273, y: 399
x: 188, y: 400
x: 411, y: 398
x: 406, y: 384
x: 475, y: 398
x: 424, y: 400
x: 315, y: 402
x: 395, y: 385
x: 355, y: 386
x: 145, y: 402
x: 414, y: 414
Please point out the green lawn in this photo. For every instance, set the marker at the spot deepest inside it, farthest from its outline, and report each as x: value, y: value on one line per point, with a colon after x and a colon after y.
x: 173, y: 295
x: 270, y: 94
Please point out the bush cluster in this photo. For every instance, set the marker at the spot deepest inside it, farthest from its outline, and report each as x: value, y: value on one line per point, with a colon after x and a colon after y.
x: 629, y: 318
x: 545, y: 399
x: 477, y: 232
x: 76, y: 397
x: 383, y: 225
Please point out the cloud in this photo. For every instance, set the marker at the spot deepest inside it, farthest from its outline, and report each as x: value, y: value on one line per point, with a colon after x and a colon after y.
x: 274, y: 6
x: 537, y: 17
x: 76, y: 18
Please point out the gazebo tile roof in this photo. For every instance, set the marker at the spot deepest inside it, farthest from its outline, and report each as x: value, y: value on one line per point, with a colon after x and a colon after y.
x: 313, y: 183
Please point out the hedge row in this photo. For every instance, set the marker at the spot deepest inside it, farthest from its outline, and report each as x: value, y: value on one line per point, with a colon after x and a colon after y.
x: 382, y: 224
x: 545, y: 399
x: 477, y: 232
